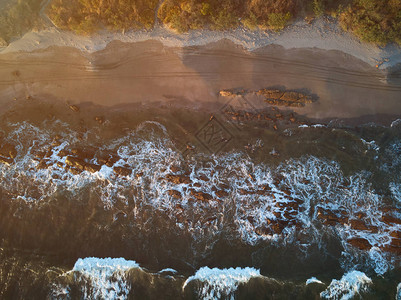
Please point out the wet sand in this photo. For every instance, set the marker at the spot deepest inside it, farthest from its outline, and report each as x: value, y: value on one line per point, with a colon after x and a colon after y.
x: 149, y: 72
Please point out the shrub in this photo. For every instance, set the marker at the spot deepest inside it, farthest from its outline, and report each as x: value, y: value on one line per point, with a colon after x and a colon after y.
x: 224, y: 20
x: 377, y: 21
x: 318, y: 8
x: 250, y: 22
x: 277, y: 21
x: 85, y: 16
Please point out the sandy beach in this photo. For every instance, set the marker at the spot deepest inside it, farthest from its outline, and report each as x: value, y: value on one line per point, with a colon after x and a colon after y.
x: 160, y: 66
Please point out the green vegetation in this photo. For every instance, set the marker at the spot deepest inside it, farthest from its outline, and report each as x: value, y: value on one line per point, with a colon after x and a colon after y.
x: 318, y: 7
x: 277, y: 21
x: 183, y: 15
x: 17, y: 17
x: 86, y: 16
x: 377, y: 21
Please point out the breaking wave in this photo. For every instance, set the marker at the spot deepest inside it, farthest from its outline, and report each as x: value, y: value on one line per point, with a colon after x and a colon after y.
x: 350, y: 285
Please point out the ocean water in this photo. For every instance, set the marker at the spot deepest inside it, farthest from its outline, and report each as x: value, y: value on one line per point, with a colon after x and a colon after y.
x: 151, y: 221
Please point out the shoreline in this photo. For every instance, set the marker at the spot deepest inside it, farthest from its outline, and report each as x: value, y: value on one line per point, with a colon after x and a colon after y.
x: 150, y: 72
x: 323, y: 33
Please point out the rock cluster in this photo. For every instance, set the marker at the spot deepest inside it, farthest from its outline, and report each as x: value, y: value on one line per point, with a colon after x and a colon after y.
x: 285, y: 98
x: 265, y: 118
x: 274, y: 96
x: 285, y: 208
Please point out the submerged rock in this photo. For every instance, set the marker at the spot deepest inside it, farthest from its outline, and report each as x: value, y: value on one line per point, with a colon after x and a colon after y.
x: 7, y: 153
x: 178, y: 179
x: 122, y: 171
x: 360, y: 243
x: 8, y: 150
x: 201, y: 196
x: 6, y: 160
x: 175, y: 194
x: 80, y: 164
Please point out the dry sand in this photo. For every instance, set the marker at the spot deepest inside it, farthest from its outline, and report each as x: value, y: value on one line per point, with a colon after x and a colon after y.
x: 192, y: 68
x: 324, y: 33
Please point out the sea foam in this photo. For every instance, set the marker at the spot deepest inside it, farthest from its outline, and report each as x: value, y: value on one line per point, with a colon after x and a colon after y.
x: 219, y: 283
x: 102, y: 278
x: 350, y: 285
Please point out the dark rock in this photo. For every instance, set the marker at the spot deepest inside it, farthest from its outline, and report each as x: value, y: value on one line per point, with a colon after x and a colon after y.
x: 122, y: 171
x: 360, y: 243
x: 389, y: 220
x: 63, y: 153
x: 8, y: 150
x: 49, y: 153
x: 174, y: 169
x: 358, y: 225
x: 87, y: 153
x: 108, y: 159
x: 39, y: 155
x: 175, y: 194
x: 75, y: 162
x: 221, y: 194
x: 278, y: 226
x: 201, y: 196
x: 75, y: 171
x: 396, y: 234
x: 204, y: 178
x: 43, y: 164
x: 6, y: 160
x: 92, y: 168
x: 178, y: 179
x: 332, y: 218
x: 80, y: 164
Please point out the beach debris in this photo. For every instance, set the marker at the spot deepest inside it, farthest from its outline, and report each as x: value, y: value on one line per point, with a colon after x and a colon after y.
x: 74, y: 108
x: 99, y: 119
x: 190, y: 147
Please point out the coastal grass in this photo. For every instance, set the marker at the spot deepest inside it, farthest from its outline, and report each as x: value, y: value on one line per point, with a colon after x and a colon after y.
x: 87, y: 16
x: 375, y: 21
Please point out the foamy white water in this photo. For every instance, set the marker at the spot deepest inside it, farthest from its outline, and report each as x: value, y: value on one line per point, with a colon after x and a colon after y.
x: 221, y: 283
x: 100, y: 278
x: 350, y: 285
x: 313, y: 280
